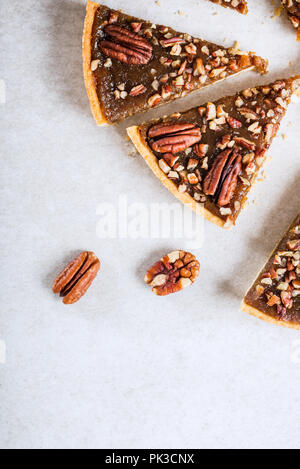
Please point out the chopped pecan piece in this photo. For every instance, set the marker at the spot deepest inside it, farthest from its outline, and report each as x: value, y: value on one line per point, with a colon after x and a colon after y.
x: 173, y: 273
x: 173, y: 138
x: 126, y: 46
x: 73, y: 282
x: 224, y: 142
x: 270, y: 131
x: 136, y: 27
x: 234, y: 123
x: 274, y: 300
x: 137, y: 90
x: 293, y: 10
x: 221, y: 181
x: 281, y: 278
x: 211, y: 111
x: 172, y: 41
x: 113, y: 17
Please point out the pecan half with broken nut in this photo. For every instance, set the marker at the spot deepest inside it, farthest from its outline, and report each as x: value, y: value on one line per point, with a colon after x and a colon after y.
x: 73, y: 282
x: 221, y: 181
x: 126, y: 46
x: 173, y: 138
x: 173, y: 273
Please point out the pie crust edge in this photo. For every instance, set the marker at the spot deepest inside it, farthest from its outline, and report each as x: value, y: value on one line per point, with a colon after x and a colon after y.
x: 90, y: 84
x: 258, y: 314
x: 151, y: 160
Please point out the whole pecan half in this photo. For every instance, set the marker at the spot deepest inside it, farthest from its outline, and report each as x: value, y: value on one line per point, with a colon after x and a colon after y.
x: 73, y: 282
x: 173, y: 273
x: 173, y: 138
x: 126, y: 46
x: 221, y: 181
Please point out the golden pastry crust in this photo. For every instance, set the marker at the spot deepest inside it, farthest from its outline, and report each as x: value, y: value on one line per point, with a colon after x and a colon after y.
x: 151, y: 160
x: 258, y: 314
x: 90, y: 84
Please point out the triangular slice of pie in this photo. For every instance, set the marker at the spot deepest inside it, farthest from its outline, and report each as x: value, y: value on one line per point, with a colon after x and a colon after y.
x: 275, y: 295
x: 292, y: 8
x: 131, y: 65
x: 209, y: 157
x: 238, y: 5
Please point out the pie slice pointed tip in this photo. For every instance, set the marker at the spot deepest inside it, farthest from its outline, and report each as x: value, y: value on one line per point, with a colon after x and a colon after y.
x: 209, y: 157
x: 131, y: 65
x: 273, y: 297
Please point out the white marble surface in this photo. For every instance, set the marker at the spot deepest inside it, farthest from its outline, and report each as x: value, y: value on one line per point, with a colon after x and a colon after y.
x: 122, y: 368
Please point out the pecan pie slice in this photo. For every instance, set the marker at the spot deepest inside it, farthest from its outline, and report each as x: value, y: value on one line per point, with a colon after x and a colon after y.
x: 209, y: 156
x: 275, y: 295
x: 292, y: 8
x: 238, y: 5
x: 131, y: 65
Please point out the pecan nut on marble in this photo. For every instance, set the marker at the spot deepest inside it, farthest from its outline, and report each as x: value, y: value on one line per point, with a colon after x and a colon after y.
x: 74, y: 281
x: 173, y: 138
x: 173, y: 273
x: 125, y: 46
x: 221, y: 181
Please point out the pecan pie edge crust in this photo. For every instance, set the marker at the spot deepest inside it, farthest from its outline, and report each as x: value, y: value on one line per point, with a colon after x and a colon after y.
x: 90, y: 84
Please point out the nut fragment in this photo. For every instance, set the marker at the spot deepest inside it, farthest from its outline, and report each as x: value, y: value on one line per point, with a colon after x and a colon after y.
x: 293, y: 10
x: 294, y: 245
x: 201, y: 149
x: 173, y: 273
x: 73, y: 282
x: 94, y: 65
